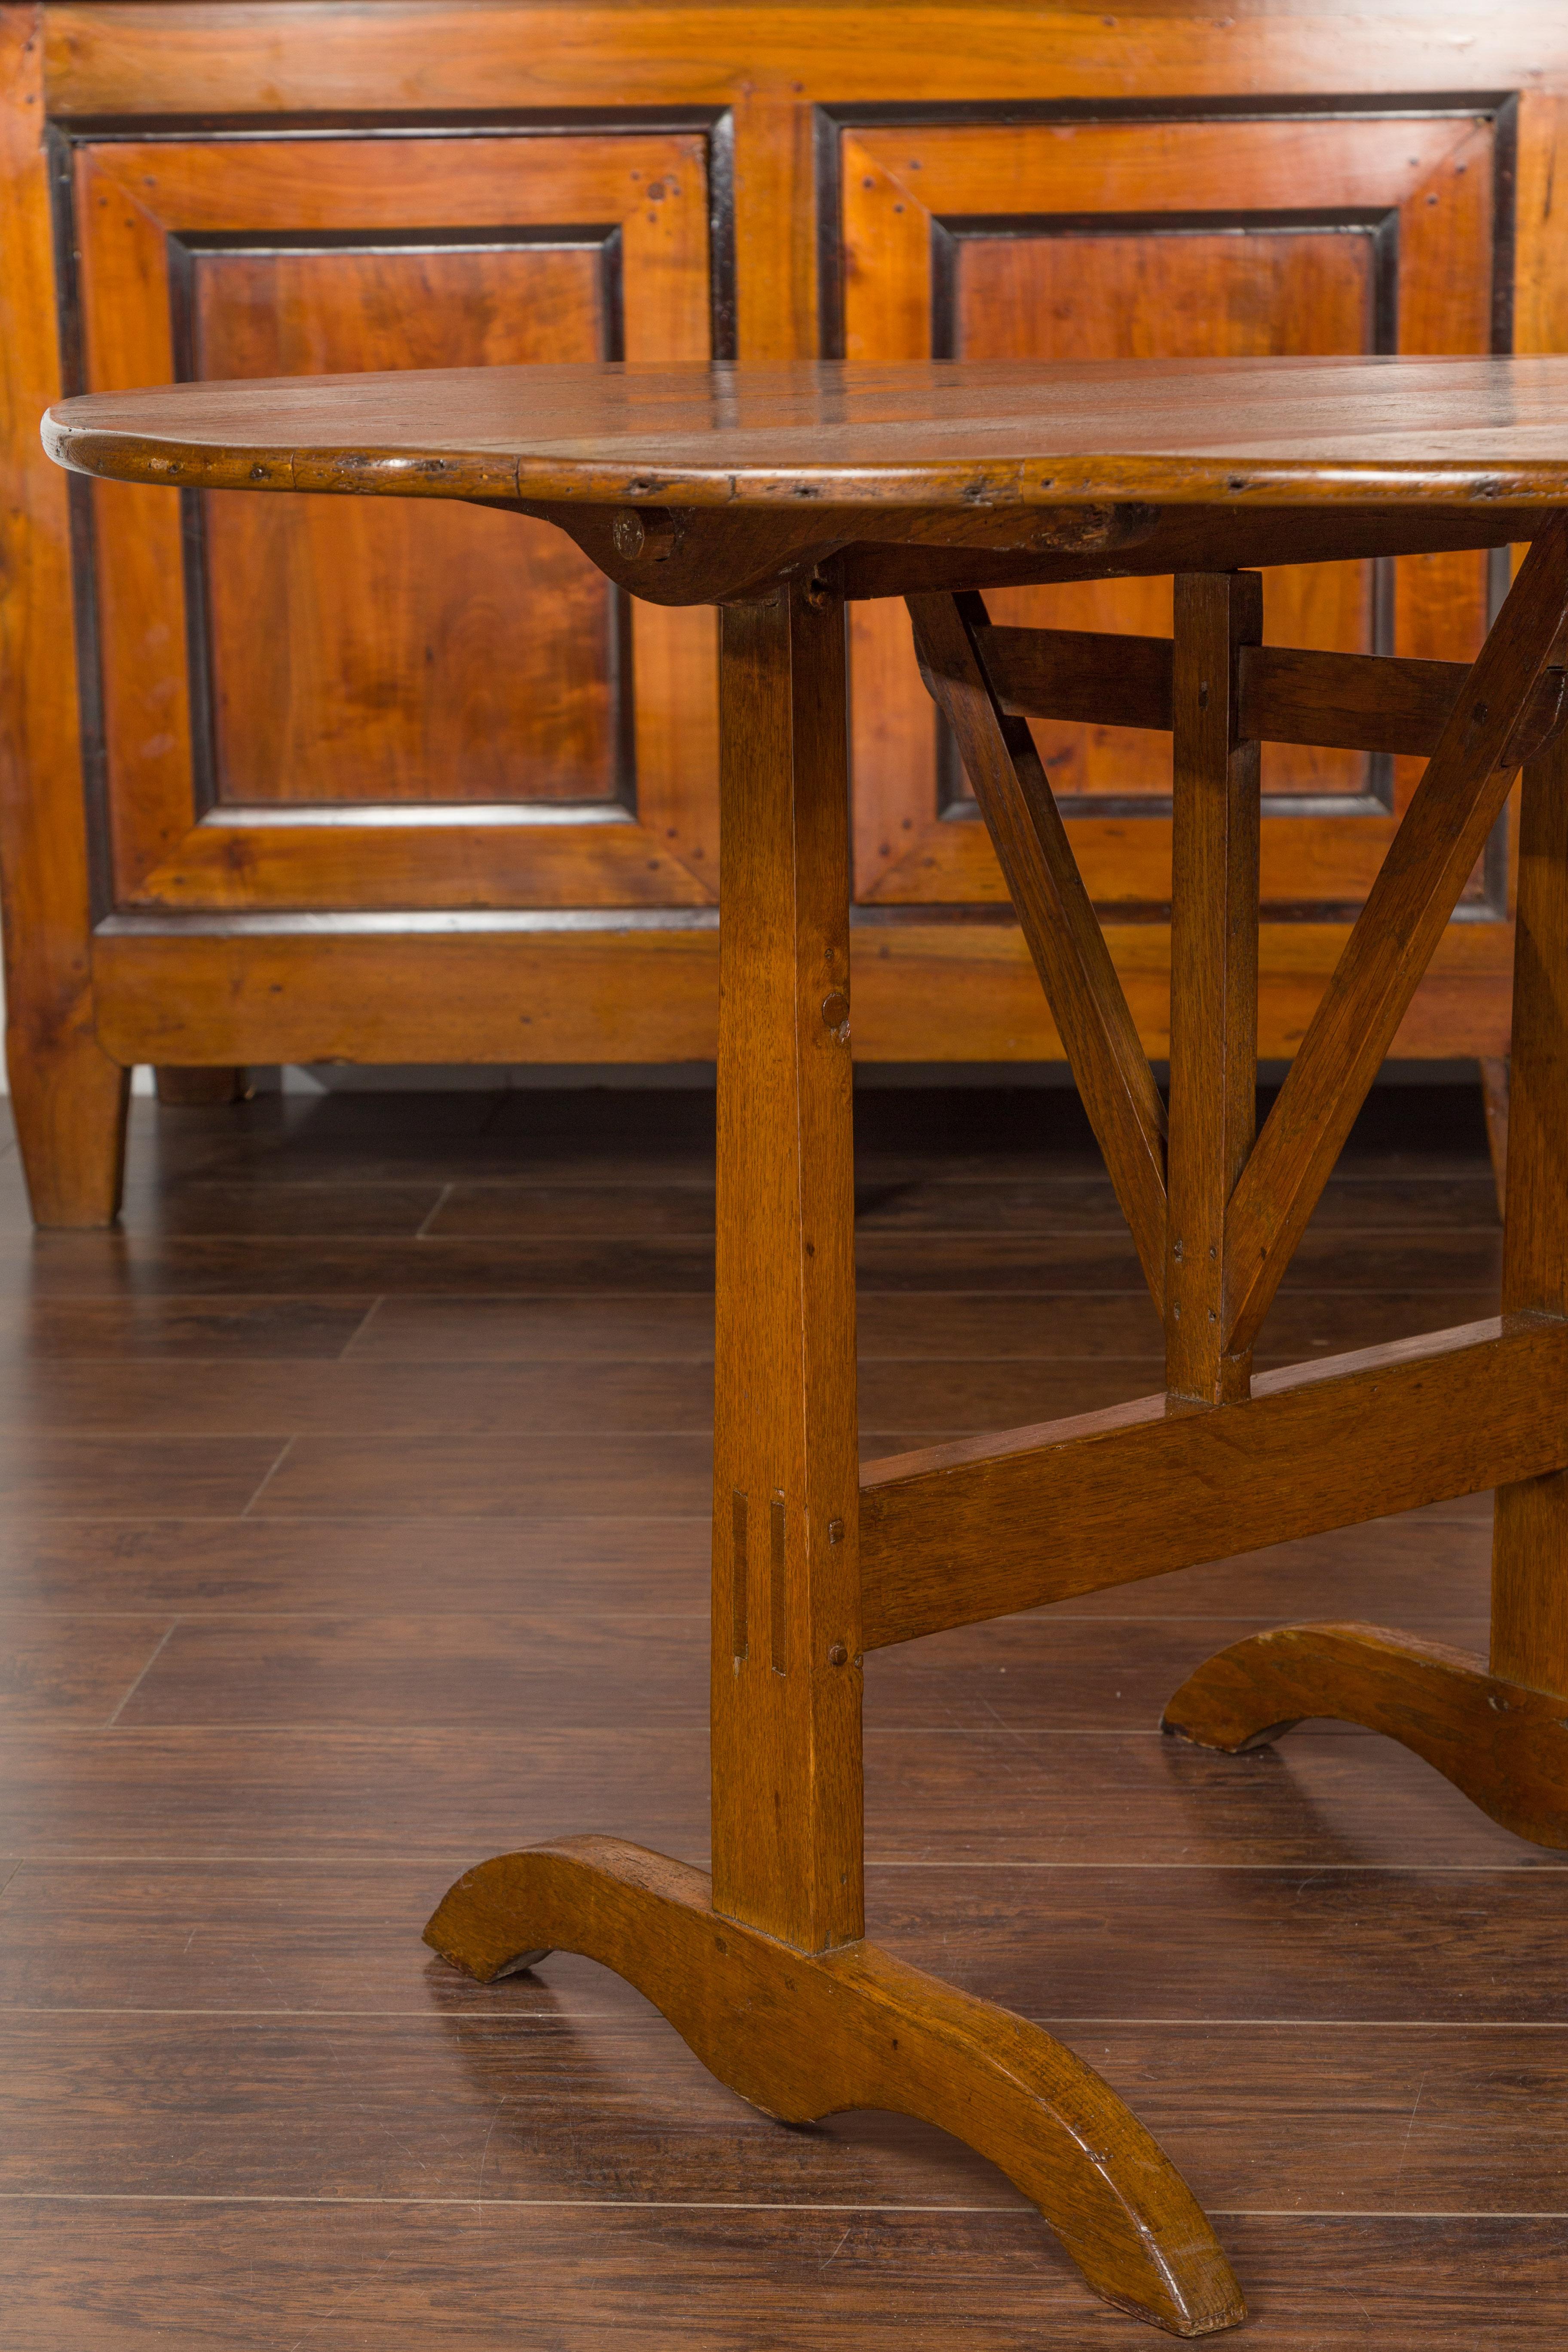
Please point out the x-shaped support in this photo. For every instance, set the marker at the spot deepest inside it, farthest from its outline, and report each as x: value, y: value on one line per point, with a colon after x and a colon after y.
x: 1216, y: 1215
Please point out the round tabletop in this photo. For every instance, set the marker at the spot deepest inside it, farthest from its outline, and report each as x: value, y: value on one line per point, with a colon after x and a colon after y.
x: 958, y: 433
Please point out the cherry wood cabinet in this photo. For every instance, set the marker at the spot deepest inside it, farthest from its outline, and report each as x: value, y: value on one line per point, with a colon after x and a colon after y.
x: 291, y: 780
x: 315, y: 708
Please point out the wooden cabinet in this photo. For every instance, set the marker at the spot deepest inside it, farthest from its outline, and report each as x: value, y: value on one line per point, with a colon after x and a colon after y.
x: 1162, y: 234
x: 291, y: 780
x: 311, y: 705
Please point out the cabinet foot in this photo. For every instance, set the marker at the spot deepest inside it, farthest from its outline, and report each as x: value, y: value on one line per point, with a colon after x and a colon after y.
x: 200, y: 1089
x: 1504, y: 1745
x: 69, y: 1103
x: 804, y: 2035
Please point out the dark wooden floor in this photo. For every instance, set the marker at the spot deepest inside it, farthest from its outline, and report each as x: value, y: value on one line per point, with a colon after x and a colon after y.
x: 353, y: 1527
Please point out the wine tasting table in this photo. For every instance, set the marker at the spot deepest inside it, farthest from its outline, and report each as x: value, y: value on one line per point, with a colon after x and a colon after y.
x: 777, y: 494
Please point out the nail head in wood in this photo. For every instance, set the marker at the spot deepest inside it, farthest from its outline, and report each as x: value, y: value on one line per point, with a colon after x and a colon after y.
x: 648, y: 537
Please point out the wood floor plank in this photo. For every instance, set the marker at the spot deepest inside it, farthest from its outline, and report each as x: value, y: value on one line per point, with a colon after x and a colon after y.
x: 375, y: 1397
x: 43, y: 1473
x: 213, y: 1206
x: 557, y: 1330
x: 1427, y: 1569
x: 1047, y: 1672
x: 43, y: 1332
x: 916, y: 1202
x: 232, y: 2277
x: 58, y: 1668
x: 962, y: 1797
x: 569, y: 1212
x: 465, y: 1610
x: 574, y: 1567
x: 489, y: 1477
x: 1327, y: 2119
x: 1041, y: 1203
x: 222, y: 1397
x: 1068, y: 1262
x: 944, y: 1326
x: 454, y: 1669
x: 1423, y: 1571
x: 1402, y: 1945
x: 66, y: 1266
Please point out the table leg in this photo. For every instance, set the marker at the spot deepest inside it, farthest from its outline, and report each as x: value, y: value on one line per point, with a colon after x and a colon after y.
x: 1498, y: 1730
x: 1213, y: 975
x: 786, y: 1585
x: 1529, y: 1554
x: 764, y: 1970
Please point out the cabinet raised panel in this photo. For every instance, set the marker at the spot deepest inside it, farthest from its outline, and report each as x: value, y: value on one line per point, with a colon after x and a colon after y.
x: 1161, y: 235
x: 309, y: 703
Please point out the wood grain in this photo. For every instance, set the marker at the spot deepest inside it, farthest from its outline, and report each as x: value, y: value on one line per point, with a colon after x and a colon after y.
x: 1530, y: 1552
x: 1052, y: 1801
x: 1506, y: 1746
x: 1271, y: 433
x: 1114, y: 189
x: 858, y: 2280
x: 1213, y: 975
x: 975, y: 1529
x: 293, y: 1939
x: 803, y: 2036
x: 243, y: 2091
x: 1460, y: 797
x: 1068, y: 948
x: 787, y: 1586
x: 1287, y: 694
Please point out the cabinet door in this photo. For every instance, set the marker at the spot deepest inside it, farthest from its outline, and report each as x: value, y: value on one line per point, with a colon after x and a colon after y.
x: 1165, y: 235
x: 311, y: 703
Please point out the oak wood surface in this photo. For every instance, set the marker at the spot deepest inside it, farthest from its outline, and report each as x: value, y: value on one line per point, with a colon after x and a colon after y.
x: 1178, y: 236
x: 1500, y: 1742
x: 392, y: 677
x: 308, y: 995
x: 983, y: 1525
x: 785, y: 1645
x: 1213, y: 975
x: 802, y: 2036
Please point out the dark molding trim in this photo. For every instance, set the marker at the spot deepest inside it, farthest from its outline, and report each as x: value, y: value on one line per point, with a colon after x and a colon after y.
x: 716, y: 124
x: 1505, y: 194
x: 832, y: 120
x: 86, y: 625
x: 184, y: 251
x: 64, y: 134
x: 471, y: 123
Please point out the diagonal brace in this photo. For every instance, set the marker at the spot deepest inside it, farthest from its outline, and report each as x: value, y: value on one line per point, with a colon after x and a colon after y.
x: 1444, y: 830
x: 1063, y: 931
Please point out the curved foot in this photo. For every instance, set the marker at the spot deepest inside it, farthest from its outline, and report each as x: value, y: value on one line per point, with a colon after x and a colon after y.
x: 1506, y: 1747
x: 804, y: 2035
